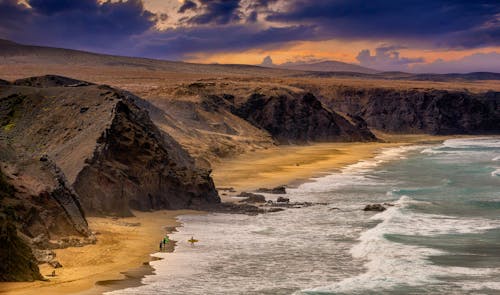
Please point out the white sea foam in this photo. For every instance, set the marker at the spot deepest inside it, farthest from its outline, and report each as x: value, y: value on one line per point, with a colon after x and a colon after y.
x: 356, y: 174
x: 496, y: 159
x: 386, y: 155
x: 310, y: 247
x: 496, y: 172
x: 391, y: 263
x: 478, y: 285
x: 463, y: 143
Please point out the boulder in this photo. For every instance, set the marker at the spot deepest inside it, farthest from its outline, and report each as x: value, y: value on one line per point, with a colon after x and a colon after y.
x: 252, y: 198
x: 282, y: 200
x: 277, y: 190
x: 55, y: 264
x: 374, y: 207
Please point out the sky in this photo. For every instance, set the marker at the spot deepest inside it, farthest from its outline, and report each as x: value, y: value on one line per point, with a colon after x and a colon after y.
x: 437, y: 36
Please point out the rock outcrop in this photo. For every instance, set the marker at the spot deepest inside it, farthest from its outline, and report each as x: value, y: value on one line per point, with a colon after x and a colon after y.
x: 420, y: 111
x: 374, y: 207
x: 141, y: 168
x: 299, y: 118
x: 18, y: 263
x: 50, y: 81
x: 104, y: 144
x: 38, y: 210
x: 279, y: 190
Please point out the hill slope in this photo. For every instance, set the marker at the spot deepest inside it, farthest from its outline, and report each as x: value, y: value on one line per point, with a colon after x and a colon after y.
x: 104, y: 143
x: 328, y: 66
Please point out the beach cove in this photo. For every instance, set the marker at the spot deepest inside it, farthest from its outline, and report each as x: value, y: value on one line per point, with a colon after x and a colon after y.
x: 122, y: 249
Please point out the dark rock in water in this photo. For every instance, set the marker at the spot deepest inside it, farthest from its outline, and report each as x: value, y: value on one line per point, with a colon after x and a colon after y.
x: 374, y: 207
x: 282, y: 200
x: 274, y: 209
x: 229, y: 189
x: 277, y: 190
x: 234, y: 208
x: 295, y: 205
x: 55, y: 264
x: 252, y: 198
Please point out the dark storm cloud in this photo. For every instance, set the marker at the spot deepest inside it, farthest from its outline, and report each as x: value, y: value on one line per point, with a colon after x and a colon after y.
x: 125, y: 27
x: 187, y: 5
x: 475, y: 23
x: 50, y: 7
x: 75, y: 24
x: 175, y: 43
x: 219, y: 12
x: 12, y: 16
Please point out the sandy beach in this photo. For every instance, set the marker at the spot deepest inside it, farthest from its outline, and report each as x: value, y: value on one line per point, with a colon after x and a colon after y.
x: 291, y: 165
x: 125, y: 244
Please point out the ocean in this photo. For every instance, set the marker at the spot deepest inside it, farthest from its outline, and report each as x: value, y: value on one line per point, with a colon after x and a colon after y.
x: 442, y: 236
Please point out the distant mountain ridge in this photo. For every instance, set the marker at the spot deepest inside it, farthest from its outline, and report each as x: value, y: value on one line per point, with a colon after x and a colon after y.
x: 15, y: 53
x: 328, y: 66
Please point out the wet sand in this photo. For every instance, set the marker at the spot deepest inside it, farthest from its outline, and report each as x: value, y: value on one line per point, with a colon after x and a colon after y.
x: 292, y: 165
x: 122, y: 252
x: 120, y: 257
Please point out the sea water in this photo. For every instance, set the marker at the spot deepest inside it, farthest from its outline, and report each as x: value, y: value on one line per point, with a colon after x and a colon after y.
x: 441, y: 236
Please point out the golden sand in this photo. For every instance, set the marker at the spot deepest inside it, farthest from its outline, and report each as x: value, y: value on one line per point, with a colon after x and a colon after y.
x: 288, y: 165
x: 123, y: 244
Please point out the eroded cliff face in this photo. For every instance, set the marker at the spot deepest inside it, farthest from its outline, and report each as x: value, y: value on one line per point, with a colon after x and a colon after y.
x: 420, y: 111
x: 135, y: 166
x: 104, y: 143
x: 300, y: 118
x: 37, y: 211
x: 18, y: 261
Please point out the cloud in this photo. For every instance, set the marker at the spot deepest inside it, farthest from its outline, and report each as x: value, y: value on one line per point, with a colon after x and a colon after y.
x: 386, y: 58
x: 86, y: 24
x: 478, y: 62
x: 218, y: 12
x: 126, y: 27
x: 435, y: 23
x: 187, y: 5
x: 267, y: 62
x: 50, y: 7
x: 12, y: 16
x: 180, y: 42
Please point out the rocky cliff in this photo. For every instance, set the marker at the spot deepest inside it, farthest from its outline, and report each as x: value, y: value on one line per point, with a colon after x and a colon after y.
x: 37, y: 211
x: 106, y: 146
x: 142, y: 168
x: 300, y: 118
x: 71, y: 148
x: 420, y: 111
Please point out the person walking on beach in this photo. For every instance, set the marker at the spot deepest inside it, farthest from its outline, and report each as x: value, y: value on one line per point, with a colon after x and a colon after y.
x: 161, y: 246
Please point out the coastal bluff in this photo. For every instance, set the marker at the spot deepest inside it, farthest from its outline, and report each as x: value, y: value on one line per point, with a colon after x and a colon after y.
x: 71, y: 149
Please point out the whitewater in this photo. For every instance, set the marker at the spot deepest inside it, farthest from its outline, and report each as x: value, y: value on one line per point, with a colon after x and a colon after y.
x: 440, y: 233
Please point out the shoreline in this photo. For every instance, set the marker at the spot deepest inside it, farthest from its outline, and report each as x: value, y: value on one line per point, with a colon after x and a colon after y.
x: 294, y: 165
x: 118, y: 260
x: 264, y: 168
